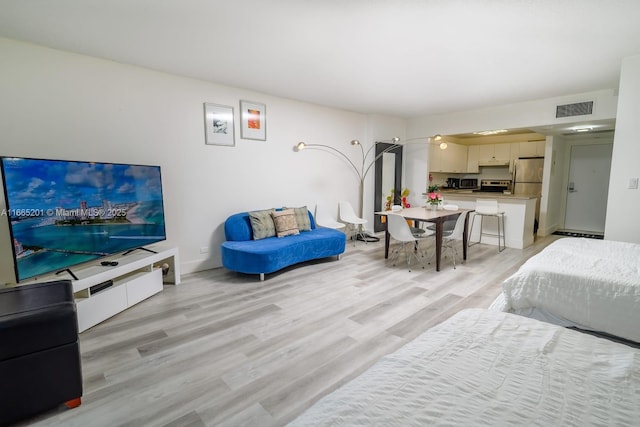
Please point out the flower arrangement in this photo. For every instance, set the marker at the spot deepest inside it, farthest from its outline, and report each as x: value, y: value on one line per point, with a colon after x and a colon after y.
x: 434, y: 198
x: 403, y: 199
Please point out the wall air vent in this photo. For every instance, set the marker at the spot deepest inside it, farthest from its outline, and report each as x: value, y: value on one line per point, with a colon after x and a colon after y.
x: 577, y: 109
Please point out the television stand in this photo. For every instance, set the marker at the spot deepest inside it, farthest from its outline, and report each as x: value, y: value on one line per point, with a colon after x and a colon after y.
x: 133, y: 279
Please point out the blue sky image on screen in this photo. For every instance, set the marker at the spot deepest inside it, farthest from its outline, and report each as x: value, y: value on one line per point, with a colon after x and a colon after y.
x: 63, y: 213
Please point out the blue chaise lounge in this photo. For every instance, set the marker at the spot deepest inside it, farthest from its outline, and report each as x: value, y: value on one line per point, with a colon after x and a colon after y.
x: 243, y: 253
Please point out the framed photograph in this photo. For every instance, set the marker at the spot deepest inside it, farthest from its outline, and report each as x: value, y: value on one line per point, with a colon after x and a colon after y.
x: 253, y: 118
x: 218, y: 125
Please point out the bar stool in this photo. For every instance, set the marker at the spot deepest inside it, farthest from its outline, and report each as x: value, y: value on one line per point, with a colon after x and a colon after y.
x: 489, y: 207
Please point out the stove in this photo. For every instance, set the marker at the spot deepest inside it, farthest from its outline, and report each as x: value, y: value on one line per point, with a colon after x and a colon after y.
x: 494, y: 185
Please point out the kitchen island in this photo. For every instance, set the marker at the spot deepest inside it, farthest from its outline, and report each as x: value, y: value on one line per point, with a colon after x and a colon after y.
x: 519, y: 216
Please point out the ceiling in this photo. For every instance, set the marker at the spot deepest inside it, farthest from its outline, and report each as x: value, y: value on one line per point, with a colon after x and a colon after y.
x: 404, y: 58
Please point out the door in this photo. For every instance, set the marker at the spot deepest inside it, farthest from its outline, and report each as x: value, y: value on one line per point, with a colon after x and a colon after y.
x: 589, y: 170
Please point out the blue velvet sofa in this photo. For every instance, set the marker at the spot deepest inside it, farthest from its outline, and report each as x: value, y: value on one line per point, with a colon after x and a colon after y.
x: 243, y: 254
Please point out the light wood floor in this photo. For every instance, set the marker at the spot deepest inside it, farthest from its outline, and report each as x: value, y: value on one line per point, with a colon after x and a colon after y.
x: 226, y: 349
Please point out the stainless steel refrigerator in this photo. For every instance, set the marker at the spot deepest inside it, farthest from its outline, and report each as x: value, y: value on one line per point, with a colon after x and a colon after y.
x: 527, y: 181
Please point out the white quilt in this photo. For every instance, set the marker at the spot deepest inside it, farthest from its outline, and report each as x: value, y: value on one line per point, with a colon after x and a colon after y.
x: 490, y: 368
x: 592, y: 284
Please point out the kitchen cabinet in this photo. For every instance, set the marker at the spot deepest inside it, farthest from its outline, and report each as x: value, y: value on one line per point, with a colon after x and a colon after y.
x: 453, y: 159
x: 515, y: 153
x: 494, y: 153
x: 502, y: 152
x: 457, y: 158
x: 473, y: 159
x: 531, y: 149
x: 526, y: 149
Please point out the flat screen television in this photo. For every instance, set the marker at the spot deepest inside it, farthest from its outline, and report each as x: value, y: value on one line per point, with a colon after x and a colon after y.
x: 63, y: 213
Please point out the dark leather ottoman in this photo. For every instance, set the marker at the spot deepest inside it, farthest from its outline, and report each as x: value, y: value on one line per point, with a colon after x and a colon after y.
x: 39, y: 353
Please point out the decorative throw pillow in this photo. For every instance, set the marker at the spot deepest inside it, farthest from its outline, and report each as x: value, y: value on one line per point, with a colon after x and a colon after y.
x: 262, y: 224
x: 302, y: 218
x: 285, y: 222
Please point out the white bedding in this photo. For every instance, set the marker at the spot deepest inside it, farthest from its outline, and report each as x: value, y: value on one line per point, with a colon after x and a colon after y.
x: 592, y: 284
x: 485, y: 367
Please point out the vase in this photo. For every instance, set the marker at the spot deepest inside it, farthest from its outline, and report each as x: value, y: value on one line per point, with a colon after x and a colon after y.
x: 434, y: 207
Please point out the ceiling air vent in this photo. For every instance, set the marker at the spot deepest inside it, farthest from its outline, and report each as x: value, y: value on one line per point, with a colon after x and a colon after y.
x: 577, y: 109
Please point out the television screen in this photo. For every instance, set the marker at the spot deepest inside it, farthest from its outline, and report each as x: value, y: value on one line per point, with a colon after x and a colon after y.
x: 63, y: 213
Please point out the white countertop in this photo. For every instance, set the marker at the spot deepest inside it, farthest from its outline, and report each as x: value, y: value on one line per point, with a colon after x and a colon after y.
x: 470, y: 194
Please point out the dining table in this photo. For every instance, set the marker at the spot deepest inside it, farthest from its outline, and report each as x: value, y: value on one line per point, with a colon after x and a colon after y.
x: 436, y: 216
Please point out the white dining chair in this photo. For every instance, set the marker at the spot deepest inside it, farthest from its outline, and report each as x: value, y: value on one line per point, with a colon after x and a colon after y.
x: 450, y: 238
x: 400, y: 231
x: 353, y: 221
x: 325, y: 219
x: 448, y: 224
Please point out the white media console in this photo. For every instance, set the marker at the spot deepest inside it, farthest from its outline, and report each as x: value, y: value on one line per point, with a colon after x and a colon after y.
x: 137, y: 276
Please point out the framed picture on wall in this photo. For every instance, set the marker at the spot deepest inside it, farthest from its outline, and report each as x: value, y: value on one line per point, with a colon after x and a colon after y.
x: 253, y: 121
x: 218, y: 125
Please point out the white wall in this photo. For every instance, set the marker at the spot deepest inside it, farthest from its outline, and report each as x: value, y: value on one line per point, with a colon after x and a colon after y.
x: 623, y: 204
x: 415, y: 174
x: 55, y: 104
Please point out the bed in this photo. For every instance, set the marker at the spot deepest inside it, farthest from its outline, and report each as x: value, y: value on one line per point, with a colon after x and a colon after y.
x: 484, y: 367
x: 587, y: 283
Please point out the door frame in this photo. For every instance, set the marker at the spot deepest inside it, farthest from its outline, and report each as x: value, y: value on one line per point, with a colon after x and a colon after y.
x: 595, y: 140
x: 383, y: 147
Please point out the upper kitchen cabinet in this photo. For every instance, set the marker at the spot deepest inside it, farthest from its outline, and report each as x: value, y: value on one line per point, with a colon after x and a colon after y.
x: 515, y: 153
x: 499, y: 147
x: 473, y: 159
x: 532, y: 149
x: 453, y: 159
x: 494, y: 154
x: 458, y: 157
x: 527, y: 149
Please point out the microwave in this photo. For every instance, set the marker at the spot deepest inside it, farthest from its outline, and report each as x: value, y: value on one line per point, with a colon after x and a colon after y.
x: 468, y: 183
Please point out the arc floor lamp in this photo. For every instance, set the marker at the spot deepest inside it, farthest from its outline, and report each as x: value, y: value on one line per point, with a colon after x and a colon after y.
x: 362, y: 170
